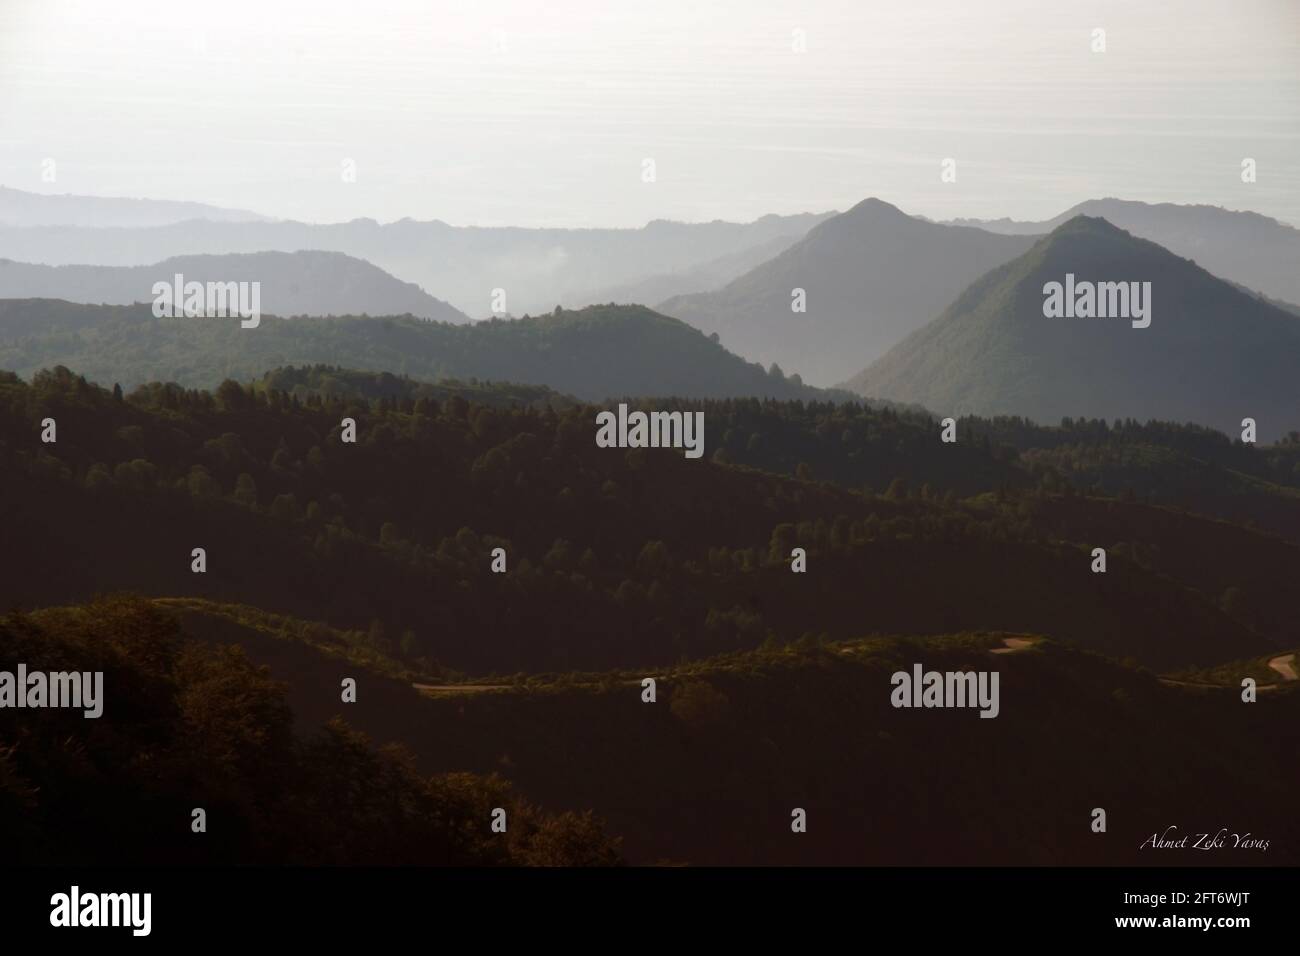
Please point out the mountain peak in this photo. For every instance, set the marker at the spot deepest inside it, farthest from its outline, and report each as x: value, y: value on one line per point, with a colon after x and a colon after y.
x: 870, y: 218
x: 877, y: 209
x: 1091, y: 225
x: 870, y: 275
x: 1086, y: 243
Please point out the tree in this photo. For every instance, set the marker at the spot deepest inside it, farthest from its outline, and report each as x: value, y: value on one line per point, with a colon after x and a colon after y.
x: 231, y: 396
x: 653, y: 559
x: 698, y: 703
x: 138, y: 474
x: 284, y: 507
x: 246, y: 490
x: 201, y: 484
x: 781, y: 543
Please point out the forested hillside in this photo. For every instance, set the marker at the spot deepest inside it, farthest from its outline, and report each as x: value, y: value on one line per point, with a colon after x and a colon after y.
x: 593, y: 353
x: 374, y: 560
x: 658, y: 554
x: 189, y: 724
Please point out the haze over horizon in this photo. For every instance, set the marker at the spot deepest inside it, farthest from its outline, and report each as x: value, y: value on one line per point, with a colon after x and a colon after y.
x: 447, y: 434
x: 502, y: 114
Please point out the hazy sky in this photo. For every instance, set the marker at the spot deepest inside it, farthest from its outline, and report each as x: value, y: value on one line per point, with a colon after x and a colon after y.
x: 541, y: 113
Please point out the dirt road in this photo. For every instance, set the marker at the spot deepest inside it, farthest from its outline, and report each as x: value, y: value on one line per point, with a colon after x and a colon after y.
x: 1284, y: 665
x: 1013, y: 644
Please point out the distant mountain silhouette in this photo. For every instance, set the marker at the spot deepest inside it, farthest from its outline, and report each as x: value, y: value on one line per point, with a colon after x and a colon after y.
x: 704, y: 277
x: 593, y: 353
x: 21, y: 208
x: 535, y: 269
x: 292, y: 283
x: 871, y: 276
x: 1245, y: 247
x: 1212, y: 354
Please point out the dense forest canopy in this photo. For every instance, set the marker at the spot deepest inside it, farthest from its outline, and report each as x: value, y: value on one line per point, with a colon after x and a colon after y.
x: 664, y: 556
x: 374, y: 560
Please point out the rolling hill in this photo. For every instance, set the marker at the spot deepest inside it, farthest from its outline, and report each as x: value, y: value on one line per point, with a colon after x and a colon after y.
x: 1212, y: 354
x: 370, y: 560
x: 237, y: 710
x: 292, y: 283
x: 673, y: 556
x: 871, y: 276
x: 184, y: 722
x: 593, y: 353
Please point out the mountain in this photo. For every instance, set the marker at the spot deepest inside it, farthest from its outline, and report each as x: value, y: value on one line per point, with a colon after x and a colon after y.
x: 292, y: 283
x: 592, y: 353
x: 704, y: 277
x: 1245, y: 247
x: 1006, y: 226
x: 473, y: 268
x: 871, y: 275
x: 1212, y: 354
x: 23, y: 209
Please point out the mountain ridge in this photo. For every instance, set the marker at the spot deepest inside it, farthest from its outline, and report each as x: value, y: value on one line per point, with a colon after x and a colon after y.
x: 1242, y: 246
x: 592, y: 353
x: 468, y: 266
x: 305, y: 282
x: 19, y: 207
x: 993, y: 351
x: 870, y: 276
